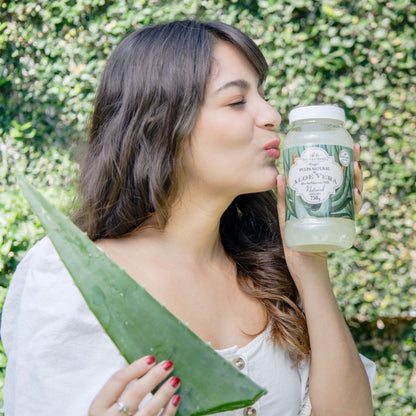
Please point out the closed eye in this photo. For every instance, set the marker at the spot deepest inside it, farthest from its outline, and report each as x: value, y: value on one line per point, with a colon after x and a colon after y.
x: 242, y: 102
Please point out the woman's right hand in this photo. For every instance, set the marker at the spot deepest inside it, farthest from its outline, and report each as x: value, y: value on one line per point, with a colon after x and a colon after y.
x: 115, y: 399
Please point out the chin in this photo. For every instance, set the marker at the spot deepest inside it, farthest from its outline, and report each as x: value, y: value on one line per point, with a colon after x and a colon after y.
x: 269, y: 178
x: 263, y: 180
x: 269, y: 187
x: 265, y: 185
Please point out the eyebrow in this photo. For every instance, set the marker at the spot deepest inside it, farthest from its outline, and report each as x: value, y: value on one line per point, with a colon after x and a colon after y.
x: 240, y: 83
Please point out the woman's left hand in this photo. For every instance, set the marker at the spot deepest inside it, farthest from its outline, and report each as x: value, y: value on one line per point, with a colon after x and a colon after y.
x: 298, y: 262
x: 358, y: 180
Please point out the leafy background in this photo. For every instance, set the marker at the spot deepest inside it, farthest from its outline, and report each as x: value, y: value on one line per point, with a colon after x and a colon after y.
x: 358, y: 54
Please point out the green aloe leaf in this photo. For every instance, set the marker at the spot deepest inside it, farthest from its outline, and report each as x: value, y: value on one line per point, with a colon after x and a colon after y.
x: 138, y: 324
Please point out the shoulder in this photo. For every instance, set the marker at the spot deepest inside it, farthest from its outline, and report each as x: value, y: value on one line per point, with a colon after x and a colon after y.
x: 42, y: 257
x: 38, y: 266
x: 57, y: 351
x: 42, y: 295
x: 40, y: 273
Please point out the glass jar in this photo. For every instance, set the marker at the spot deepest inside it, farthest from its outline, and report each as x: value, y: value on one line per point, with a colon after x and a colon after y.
x: 318, y: 164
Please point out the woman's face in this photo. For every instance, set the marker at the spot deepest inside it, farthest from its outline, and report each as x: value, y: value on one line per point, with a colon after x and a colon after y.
x: 233, y: 146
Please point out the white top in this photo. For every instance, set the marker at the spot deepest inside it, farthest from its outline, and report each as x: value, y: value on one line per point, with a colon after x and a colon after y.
x: 59, y: 356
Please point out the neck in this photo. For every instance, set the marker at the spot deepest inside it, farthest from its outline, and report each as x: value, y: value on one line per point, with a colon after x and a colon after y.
x: 192, y: 232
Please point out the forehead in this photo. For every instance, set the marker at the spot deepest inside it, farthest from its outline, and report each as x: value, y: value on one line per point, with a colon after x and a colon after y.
x: 229, y: 64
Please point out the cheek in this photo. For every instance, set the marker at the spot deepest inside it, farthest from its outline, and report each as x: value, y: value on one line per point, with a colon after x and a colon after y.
x: 225, y: 141
x: 224, y: 148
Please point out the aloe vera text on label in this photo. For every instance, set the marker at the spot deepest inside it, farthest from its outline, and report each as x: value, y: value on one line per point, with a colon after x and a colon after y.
x: 315, y: 175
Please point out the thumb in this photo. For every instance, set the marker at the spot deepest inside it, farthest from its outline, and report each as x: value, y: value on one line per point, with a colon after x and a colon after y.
x: 281, y: 206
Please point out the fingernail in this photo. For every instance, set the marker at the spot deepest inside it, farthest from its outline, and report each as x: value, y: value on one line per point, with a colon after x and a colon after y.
x: 176, y: 399
x: 359, y: 165
x: 167, y: 365
x: 150, y: 360
x: 174, y: 381
x: 359, y: 192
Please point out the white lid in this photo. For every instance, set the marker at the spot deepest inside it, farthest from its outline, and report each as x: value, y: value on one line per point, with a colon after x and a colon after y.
x: 317, y: 111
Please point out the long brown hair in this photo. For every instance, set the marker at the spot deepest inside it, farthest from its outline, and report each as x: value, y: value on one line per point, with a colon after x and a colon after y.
x: 146, y: 106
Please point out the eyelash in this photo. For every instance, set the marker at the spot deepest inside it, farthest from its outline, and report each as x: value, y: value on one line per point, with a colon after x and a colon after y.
x: 242, y: 102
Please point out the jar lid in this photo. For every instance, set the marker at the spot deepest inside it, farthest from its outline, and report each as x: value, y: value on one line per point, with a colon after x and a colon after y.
x: 317, y: 111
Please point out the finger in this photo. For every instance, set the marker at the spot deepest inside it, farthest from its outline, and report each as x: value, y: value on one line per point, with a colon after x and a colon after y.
x: 162, y: 399
x: 356, y: 152
x: 172, y: 407
x: 114, y: 387
x: 281, y: 202
x: 358, y: 201
x: 358, y: 176
x: 136, y: 392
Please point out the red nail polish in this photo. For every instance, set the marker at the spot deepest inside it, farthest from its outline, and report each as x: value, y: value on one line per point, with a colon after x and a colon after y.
x: 174, y: 381
x: 167, y: 365
x: 176, y: 399
x: 359, y: 192
x: 359, y: 165
x: 150, y: 360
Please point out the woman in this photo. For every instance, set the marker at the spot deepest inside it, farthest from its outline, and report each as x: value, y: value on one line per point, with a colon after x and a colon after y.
x: 176, y: 188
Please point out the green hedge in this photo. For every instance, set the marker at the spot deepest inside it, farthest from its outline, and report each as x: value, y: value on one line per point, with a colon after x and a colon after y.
x: 360, y: 55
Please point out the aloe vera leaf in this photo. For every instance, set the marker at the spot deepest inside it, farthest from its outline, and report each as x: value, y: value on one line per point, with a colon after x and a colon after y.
x: 138, y: 324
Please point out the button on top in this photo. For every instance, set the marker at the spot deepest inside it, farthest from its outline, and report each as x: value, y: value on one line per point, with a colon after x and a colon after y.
x: 239, y: 363
x: 249, y: 411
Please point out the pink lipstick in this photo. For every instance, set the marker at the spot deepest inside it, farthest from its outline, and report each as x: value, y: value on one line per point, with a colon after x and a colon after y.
x: 272, y: 149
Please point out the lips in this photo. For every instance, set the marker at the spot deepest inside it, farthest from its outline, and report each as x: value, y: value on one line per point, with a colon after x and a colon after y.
x: 272, y: 149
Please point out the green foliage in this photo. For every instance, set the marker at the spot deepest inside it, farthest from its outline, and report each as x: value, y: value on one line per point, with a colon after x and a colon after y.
x: 391, y: 343
x: 360, y: 55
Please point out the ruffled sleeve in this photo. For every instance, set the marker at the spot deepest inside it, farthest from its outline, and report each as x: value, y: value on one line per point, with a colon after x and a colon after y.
x: 59, y: 356
x: 306, y: 407
x: 370, y: 369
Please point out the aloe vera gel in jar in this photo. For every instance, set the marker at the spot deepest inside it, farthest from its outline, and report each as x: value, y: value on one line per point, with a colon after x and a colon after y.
x: 318, y: 164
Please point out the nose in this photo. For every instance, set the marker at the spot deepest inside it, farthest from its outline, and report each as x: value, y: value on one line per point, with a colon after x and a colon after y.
x: 268, y: 118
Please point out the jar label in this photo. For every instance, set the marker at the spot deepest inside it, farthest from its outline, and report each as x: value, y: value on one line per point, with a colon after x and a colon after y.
x: 319, y: 181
